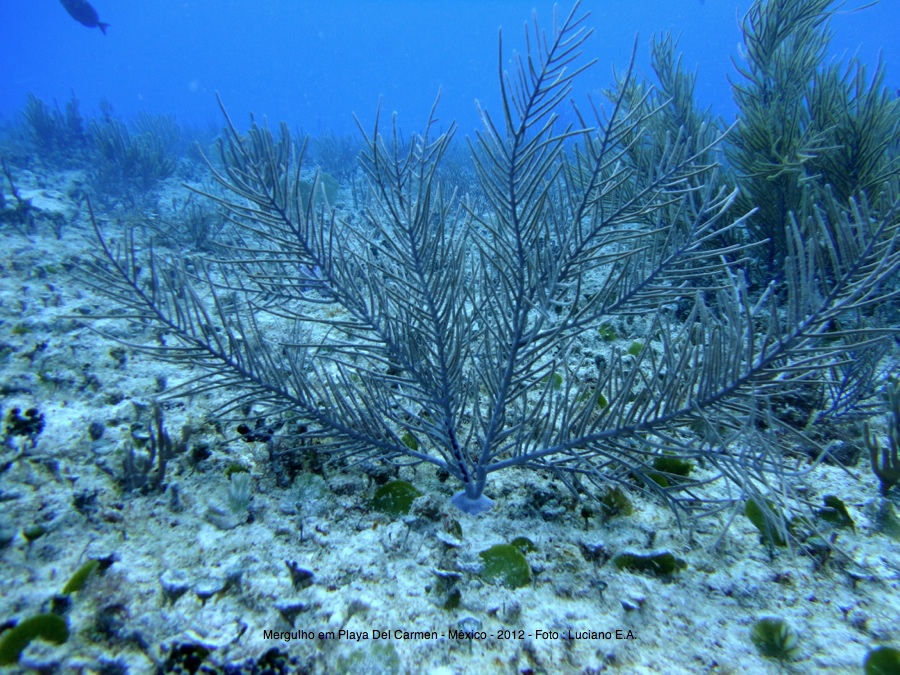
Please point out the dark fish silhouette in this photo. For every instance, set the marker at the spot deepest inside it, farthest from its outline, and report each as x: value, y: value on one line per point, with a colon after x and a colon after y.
x: 84, y: 13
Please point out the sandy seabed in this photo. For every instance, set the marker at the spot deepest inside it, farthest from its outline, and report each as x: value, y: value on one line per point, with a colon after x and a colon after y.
x: 189, y: 569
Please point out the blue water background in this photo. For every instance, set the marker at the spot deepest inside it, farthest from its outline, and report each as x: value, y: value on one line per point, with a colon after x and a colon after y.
x: 315, y: 64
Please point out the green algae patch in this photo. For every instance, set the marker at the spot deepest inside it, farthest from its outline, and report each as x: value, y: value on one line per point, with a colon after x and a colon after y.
x: 395, y: 498
x: 77, y: 581
x: 774, y: 639
x: 766, y: 518
x: 663, y: 564
x: 505, y: 564
x: 50, y: 627
x: 882, y: 661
